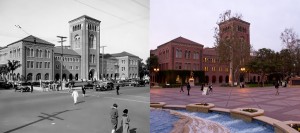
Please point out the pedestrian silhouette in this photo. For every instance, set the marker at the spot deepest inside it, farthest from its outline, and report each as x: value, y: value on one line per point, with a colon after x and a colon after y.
x: 125, y: 121
x: 181, y: 88
x: 188, y: 87
x: 114, y: 117
x: 277, y: 88
x: 117, y: 88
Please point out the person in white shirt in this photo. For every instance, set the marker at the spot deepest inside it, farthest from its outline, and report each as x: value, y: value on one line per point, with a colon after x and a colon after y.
x: 75, y: 96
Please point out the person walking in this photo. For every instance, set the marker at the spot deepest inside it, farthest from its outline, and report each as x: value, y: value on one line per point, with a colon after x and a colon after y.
x: 277, y: 88
x: 210, y: 88
x: 125, y: 121
x: 83, y: 91
x: 75, y: 96
x: 114, y: 117
x: 117, y: 88
x: 181, y: 88
x: 188, y: 87
x: 31, y: 87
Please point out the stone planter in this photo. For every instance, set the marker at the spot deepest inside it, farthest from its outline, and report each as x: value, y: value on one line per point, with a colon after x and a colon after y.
x: 200, y: 107
x: 157, y: 104
x: 287, y: 127
x: 246, y: 114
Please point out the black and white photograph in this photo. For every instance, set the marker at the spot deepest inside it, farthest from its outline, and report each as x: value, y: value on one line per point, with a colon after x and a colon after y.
x: 74, y: 66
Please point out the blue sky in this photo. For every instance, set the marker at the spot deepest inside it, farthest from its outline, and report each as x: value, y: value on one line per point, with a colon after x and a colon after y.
x: 196, y: 19
x: 124, y: 23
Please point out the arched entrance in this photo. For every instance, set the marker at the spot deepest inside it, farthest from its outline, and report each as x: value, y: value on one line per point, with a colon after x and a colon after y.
x: 220, y: 79
x: 64, y: 76
x: 57, y: 77
x: 91, y: 74
x: 214, y: 79
x: 227, y: 79
x: 206, y: 79
x: 38, y: 76
x: 76, y: 76
x: 70, y: 77
x: 29, y: 76
x: 47, y: 76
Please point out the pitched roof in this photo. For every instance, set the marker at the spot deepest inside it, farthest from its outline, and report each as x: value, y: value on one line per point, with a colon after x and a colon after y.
x: 183, y: 40
x: 57, y: 50
x: 124, y: 54
x: 33, y: 39
x: 84, y: 16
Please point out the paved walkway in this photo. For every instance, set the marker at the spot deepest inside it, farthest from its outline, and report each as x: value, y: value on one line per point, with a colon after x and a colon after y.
x: 285, y: 106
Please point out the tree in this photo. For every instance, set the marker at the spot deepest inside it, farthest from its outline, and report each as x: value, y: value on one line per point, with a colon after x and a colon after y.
x: 291, y: 42
x: 230, y: 46
x: 142, y: 69
x: 12, y: 66
x: 3, y: 69
x: 265, y: 62
x: 152, y: 62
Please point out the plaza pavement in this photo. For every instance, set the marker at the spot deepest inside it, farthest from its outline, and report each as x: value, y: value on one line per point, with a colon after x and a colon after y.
x: 285, y: 106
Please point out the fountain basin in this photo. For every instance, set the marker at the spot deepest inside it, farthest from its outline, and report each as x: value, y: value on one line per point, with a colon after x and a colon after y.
x: 200, y: 107
x: 157, y: 104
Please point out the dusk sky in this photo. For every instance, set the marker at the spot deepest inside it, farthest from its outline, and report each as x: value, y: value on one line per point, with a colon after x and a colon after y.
x: 196, y: 19
x: 124, y: 23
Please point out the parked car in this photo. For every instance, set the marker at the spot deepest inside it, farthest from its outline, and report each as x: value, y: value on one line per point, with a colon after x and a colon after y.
x: 5, y: 85
x: 139, y: 83
x: 90, y: 85
x: 103, y: 86
x: 23, y: 87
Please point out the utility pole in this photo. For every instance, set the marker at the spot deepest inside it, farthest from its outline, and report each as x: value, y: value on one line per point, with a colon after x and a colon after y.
x: 62, y: 59
x: 102, y: 60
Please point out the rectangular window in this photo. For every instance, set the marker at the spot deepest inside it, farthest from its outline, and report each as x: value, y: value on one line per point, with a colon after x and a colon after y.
x: 45, y: 64
x: 28, y: 64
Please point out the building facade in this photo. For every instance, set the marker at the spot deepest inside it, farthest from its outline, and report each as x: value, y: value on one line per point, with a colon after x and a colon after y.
x: 128, y: 65
x: 215, y: 71
x: 81, y: 60
x: 179, y: 54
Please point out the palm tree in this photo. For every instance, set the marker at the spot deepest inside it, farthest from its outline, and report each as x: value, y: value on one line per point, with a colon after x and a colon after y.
x: 3, y: 70
x: 12, y: 66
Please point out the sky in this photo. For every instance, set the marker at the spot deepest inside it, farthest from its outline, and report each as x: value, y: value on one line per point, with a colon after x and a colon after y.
x: 124, y: 23
x: 196, y: 20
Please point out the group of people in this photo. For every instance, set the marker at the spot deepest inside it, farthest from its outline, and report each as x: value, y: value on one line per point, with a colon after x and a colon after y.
x: 114, y: 119
x: 188, y: 87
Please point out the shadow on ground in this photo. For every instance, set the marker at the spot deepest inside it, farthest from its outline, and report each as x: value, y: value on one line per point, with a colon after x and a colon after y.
x: 44, y: 116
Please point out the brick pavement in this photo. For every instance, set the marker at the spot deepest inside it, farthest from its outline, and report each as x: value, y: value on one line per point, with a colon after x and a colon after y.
x: 285, y: 106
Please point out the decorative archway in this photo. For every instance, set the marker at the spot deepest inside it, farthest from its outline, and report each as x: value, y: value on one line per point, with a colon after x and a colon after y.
x: 220, y: 79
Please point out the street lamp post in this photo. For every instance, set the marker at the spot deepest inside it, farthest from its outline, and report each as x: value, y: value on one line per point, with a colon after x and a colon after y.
x: 61, y: 41
x: 102, y: 61
x: 155, y: 71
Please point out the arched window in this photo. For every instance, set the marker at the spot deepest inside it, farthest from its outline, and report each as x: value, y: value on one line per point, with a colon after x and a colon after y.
x: 38, y: 76
x: 77, y: 41
x: 92, y: 41
x: 47, y: 76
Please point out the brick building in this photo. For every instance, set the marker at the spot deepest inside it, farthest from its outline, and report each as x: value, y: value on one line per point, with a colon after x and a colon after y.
x: 215, y: 71
x: 178, y: 55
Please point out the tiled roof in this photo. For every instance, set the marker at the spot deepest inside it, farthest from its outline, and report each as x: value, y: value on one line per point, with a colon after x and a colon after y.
x: 124, y: 54
x: 57, y: 50
x: 33, y: 39
x: 182, y: 40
